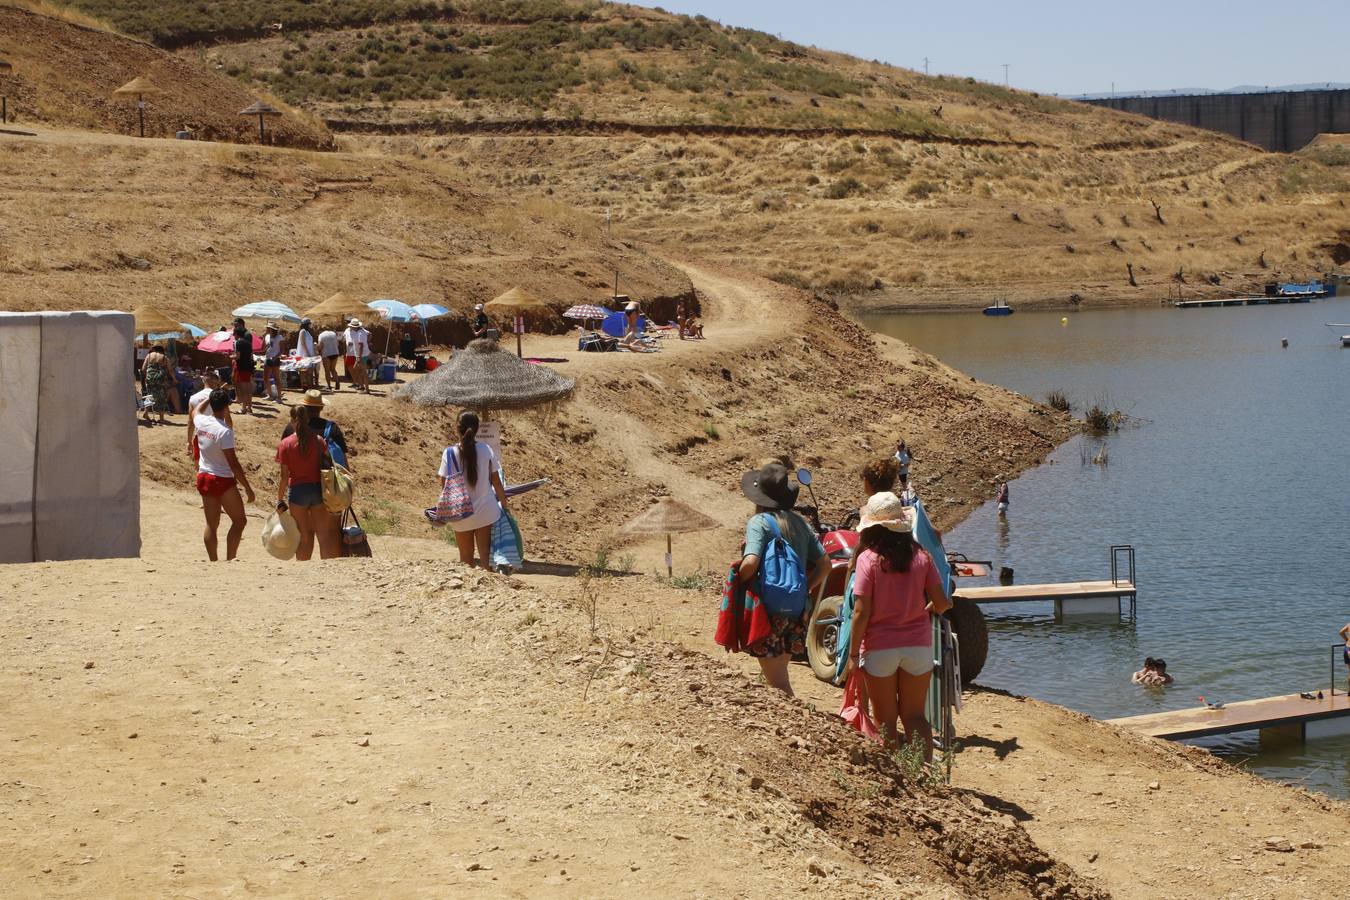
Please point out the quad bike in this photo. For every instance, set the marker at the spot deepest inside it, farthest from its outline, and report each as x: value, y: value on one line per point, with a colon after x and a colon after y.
x: 841, y: 543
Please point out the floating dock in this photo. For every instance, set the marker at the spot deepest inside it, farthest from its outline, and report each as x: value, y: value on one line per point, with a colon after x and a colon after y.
x: 1070, y: 597
x: 1285, y: 718
x: 1255, y: 300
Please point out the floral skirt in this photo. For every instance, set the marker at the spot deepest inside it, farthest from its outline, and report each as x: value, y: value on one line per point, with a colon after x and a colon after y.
x: 156, y: 385
x: 787, y: 634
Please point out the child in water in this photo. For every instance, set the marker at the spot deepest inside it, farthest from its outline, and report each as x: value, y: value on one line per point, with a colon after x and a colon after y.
x: 1002, y: 498
x: 1153, y: 674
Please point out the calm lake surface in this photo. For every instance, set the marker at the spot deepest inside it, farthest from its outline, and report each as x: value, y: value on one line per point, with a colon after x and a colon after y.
x: 1234, y: 488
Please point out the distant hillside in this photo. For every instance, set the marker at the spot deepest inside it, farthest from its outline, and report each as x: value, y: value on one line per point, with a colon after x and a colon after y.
x: 65, y: 72
x: 813, y: 167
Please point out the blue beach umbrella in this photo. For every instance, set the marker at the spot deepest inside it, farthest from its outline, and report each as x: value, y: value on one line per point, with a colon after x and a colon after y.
x: 191, y: 331
x: 394, y: 310
x: 430, y: 311
x: 268, y: 309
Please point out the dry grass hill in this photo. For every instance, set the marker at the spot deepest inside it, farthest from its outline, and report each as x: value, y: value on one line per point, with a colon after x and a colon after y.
x: 811, y: 167
x: 66, y: 67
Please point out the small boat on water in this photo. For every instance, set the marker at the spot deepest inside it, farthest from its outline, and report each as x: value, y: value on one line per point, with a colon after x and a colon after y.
x: 1345, y: 338
x: 1000, y: 308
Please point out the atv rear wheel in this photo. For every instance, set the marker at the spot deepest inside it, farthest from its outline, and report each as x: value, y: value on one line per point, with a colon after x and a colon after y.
x: 972, y: 636
x: 822, y: 637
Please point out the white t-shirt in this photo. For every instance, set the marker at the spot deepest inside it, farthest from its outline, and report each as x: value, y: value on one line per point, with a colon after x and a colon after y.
x: 483, y: 494
x: 214, y: 437
x: 358, y: 342
x: 275, y: 345
x: 328, y: 343
x: 304, y: 342
x: 196, y: 399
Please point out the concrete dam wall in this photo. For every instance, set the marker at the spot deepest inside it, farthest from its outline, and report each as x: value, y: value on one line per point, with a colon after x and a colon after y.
x: 1283, y: 121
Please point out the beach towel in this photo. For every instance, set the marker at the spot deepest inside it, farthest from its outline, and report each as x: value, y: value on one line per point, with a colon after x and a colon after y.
x: 507, y: 548
x: 742, y: 619
x: 853, y: 709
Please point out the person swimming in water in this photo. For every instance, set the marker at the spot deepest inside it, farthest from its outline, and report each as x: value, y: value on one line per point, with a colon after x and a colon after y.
x: 1153, y: 674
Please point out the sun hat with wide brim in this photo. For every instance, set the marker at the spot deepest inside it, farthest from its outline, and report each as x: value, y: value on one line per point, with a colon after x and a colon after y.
x: 355, y: 323
x: 886, y: 510
x: 769, y: 487
x: 313, y: 398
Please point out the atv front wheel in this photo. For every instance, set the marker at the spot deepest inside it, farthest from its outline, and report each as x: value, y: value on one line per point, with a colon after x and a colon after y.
x: 822, y: 637
x: 972, y: 637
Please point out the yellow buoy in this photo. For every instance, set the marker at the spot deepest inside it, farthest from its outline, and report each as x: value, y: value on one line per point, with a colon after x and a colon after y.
x: 1064, y: 320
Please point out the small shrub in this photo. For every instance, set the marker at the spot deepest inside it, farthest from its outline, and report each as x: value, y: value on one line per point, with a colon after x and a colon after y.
x: 1057, y: 400
x: 922, y: 190
x: 711, y: 431
x: 846, y: 187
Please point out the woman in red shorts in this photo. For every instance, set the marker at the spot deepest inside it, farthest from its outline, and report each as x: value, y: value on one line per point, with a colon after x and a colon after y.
x: 219, y: 473
x: 299, y: 489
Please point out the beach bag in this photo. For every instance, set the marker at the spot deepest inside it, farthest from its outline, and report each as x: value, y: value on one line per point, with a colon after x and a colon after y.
x: 507, y: 549
x: 334, y: 449
x: 456, y: 502
x: 782, y: 576
x: 354, y: 540
x: 337, y: 488
x: 280, y: 535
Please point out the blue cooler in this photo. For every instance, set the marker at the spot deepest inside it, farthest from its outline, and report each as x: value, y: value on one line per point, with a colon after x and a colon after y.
x: 388, y: 370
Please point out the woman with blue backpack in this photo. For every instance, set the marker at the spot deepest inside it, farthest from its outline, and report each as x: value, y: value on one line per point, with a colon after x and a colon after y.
x: 784, y: 559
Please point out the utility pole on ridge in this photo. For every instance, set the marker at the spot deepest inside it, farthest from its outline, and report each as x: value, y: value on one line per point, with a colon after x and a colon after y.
x: 925, y: 65
x: 1005, y: 74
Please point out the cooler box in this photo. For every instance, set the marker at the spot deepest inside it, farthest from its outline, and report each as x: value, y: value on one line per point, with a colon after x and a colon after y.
x: 388, y: 370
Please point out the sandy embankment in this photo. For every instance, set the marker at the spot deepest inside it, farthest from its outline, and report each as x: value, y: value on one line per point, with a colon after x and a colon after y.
x: 400, y: 725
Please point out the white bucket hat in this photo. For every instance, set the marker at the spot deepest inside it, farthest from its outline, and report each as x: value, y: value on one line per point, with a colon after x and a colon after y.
x: 885, y: 510
x: 280, y: 535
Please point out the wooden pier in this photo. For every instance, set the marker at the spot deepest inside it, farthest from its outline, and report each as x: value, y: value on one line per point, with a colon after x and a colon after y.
x: 1255, y: 300
x: 1288, y: 717
x: 1070, y: 597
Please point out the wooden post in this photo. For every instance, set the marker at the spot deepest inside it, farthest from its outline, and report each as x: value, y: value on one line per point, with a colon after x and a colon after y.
x: 262, y: 130
x: 670, y: 560
x: 140, y: 109
x: 4, y: 110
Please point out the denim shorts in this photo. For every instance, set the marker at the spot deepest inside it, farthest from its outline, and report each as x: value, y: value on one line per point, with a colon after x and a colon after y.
x: 305, y: 495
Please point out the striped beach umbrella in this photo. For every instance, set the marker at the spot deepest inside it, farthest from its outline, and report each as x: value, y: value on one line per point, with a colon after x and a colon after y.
x: 585, y: 312
x: 264, y: 310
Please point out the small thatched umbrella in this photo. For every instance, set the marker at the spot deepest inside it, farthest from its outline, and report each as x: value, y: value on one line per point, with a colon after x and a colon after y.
x: 262, y: 110
x: 140, y: 88
x: 669, y: 516
x: 152, y: 320
x: 516, y: 301
x: 338, y: 306
x: 485, y: 377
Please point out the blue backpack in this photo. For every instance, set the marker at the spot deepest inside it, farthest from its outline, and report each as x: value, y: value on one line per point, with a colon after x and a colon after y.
x: 782, y: 576
x: 334, y: 450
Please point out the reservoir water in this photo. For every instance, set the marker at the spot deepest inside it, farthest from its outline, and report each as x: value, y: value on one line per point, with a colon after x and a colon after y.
x: 1233, y: 485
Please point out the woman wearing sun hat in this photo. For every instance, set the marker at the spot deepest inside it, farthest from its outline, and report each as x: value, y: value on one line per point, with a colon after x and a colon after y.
x: 896, y: 588
x: 774, y: 496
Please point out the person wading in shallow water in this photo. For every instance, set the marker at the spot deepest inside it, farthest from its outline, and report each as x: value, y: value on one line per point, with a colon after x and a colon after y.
x: 219, y: 472
x: 774, y: 497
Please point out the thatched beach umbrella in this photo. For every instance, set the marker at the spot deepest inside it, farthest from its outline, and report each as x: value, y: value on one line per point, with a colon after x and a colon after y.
x: 516, y: 301
x: 152, y: 320
x: 262, y: 110
x: 669, y: 516
x: 339, y: 306
x: 140, y: 88
x: 485, y: 377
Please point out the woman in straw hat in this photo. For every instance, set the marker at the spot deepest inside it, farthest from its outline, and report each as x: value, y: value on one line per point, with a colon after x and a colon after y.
x: 774, y: 496
x: 478, y: 464
x: 896, y: 588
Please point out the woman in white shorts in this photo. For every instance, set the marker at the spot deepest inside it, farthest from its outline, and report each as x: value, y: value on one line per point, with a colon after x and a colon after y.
x: 896, y: 588
x: 482, y: 476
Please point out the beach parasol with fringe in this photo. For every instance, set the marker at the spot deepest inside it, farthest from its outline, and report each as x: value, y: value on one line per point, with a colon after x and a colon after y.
x: 262, y: 110
x: 516, y: 301
x: 669, y: 516
x: 339, y: 306
x: 484, y: 377
x: 140, y: 88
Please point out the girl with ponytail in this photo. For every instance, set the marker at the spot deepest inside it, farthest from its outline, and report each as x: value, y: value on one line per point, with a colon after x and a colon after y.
x: 478, y: 466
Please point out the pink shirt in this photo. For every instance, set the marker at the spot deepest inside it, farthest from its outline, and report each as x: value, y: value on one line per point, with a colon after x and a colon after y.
x: 898, y: 618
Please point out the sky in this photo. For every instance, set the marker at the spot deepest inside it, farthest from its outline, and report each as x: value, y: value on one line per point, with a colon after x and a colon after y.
x: 1063, y: 47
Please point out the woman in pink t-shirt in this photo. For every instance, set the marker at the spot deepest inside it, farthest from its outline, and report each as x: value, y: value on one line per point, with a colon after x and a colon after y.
x: 896, y: 588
